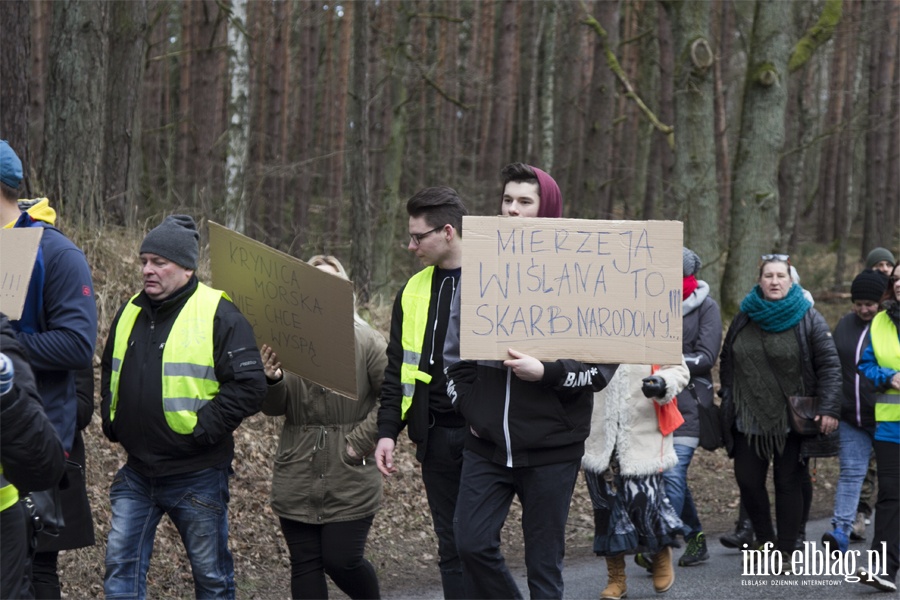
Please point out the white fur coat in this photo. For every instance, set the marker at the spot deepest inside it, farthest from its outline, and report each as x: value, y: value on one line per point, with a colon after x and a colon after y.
x: 625, y: 420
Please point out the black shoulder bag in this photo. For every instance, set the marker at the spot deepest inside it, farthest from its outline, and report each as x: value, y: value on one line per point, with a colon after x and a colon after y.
x: 711, y: 437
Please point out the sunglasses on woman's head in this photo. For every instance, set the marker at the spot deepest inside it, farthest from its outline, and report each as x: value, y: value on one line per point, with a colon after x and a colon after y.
x: 781, y: 257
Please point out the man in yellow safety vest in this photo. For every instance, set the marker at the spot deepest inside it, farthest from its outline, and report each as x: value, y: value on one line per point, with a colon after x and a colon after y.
x: 414, y: 392
x: 181, y: 370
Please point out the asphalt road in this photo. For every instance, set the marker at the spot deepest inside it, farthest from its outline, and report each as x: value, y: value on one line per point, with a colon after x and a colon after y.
x: 720, y: 577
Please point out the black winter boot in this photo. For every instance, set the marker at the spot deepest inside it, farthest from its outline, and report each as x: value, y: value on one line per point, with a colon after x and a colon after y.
x: 743, y: 534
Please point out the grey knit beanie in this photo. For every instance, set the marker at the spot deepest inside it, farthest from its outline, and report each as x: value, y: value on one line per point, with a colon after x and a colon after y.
x: 175, y: 239
x: 690, y: 262
x: 879, y: 254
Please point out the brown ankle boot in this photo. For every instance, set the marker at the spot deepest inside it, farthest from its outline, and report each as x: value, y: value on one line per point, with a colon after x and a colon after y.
x: 663, y: 570
x: 615, y: 587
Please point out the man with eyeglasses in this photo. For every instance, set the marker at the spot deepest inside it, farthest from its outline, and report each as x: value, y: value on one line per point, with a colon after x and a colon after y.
x: 414, y: 392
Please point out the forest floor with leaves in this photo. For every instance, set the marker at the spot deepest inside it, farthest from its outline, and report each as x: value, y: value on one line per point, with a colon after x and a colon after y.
x: 401, y: 546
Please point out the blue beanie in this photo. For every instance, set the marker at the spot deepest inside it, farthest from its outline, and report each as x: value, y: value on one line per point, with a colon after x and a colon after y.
x: 10, y: 166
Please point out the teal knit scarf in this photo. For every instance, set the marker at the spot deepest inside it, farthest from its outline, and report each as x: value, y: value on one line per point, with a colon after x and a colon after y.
x: 775, y: 315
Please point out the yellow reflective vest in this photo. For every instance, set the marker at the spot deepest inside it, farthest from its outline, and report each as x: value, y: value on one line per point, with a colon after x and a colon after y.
x: 9, y: 495
x: 886, y: 346
x: 415, y: 301
x: 188, y: 368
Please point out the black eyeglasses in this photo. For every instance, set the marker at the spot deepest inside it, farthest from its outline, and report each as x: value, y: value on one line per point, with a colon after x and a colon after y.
x: 781, y: 257
x: 416, y: 238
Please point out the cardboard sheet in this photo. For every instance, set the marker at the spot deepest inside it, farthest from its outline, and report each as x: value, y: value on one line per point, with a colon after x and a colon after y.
x: 595, y: 291
x: 18, y: 251
x: 305, y: 314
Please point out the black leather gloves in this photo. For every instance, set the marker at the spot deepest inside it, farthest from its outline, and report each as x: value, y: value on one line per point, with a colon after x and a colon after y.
x: 654, y: 386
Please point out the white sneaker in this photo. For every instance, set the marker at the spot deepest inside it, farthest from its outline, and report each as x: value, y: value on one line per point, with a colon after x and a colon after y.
x: 876, y: 581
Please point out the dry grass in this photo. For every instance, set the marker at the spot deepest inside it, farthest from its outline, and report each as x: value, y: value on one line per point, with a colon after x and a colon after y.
x: 402, y: 545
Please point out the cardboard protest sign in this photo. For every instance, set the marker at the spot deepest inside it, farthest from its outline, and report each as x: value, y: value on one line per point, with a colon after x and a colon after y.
x: 18, y: 251
x: 305, y: 314
x: 595, y: 291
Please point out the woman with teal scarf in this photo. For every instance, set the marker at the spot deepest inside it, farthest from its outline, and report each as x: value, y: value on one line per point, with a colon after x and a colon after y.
x: 777, y: 346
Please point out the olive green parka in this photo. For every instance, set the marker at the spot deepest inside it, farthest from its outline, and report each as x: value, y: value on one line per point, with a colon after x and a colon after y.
x: 314, y: 479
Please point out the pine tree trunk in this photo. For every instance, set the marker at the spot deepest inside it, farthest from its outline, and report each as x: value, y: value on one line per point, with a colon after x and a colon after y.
x: 694, y: 184
x: 73, y: 151
x: 664, y: 155
x: 881, y: 66
x: 339, y: 140
x: 303, y: 136
x: 123, y: 163
x: 41, y: 18
x: 598, y: 148
x: 754, y: 215
x: 274, y: 158
x: 486, y: 95
x: 391, y: 204
x: 15, y: 65
x: 648, y: 82
x: 500, y: 134
x: 357, y: 157
x: 722, y: 32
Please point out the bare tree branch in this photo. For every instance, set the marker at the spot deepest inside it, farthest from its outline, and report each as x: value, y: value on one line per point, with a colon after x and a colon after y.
x: 616, y: 68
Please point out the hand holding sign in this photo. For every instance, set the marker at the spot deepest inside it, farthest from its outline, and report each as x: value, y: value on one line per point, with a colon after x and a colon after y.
x: 526, y: 368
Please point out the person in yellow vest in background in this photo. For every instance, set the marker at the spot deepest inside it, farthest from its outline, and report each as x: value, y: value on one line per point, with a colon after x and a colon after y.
x: 880, y: 363
x: 31, y: 459
x: 414, y: 392
x: 180, y: 371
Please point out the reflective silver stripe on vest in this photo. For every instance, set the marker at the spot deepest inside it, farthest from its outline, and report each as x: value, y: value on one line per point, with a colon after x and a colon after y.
x: 190, y: 370
x: 412, y: 358
x: 116, y: 364
x: 191, y: 404
x: 887, y: 398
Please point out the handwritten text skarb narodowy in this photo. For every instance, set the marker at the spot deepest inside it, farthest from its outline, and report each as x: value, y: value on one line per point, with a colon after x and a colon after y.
x: 594, y: 263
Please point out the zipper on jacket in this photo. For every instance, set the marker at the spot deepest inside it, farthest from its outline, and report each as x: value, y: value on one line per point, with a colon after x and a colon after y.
x: 506, y: 437
x: 437, y: 312
x: 859, y: 345
x: 231, y: 353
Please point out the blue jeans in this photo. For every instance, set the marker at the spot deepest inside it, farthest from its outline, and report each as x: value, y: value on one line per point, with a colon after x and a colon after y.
x: 678, y: 492
x: 856, y: 447
x: 196, y: 502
